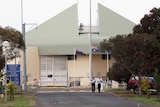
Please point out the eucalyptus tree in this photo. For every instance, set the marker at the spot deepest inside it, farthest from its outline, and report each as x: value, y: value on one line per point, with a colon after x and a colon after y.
x: 15, y: 38
x: 138, y: 52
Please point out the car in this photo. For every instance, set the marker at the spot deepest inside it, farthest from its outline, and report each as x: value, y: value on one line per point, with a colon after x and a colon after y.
x: 132, y: 83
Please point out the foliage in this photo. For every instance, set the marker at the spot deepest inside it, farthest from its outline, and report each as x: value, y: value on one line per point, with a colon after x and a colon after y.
x: 11, y: 88
x: 105, y: 45
x: 2, y: 64
x: 150, y: 23
x: 157, y: 79
x: 138, y: 52
x: 15, y: 38
x: 145, y: 86
x: 118, y: 75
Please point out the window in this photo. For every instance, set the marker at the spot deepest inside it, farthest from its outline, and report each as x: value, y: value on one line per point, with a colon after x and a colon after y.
x: 104, y: 56
x: 151, y: 79
x: 135, y: 78
x: 71, y: 57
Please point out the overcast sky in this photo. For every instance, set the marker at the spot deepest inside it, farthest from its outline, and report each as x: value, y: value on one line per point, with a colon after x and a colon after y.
x: 39, y: 11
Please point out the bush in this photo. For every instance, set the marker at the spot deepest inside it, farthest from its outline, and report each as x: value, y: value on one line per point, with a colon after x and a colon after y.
x: 11, y: 88
x: 145, y: 86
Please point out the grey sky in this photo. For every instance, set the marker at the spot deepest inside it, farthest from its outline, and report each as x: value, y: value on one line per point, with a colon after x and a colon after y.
x: 39, y: 11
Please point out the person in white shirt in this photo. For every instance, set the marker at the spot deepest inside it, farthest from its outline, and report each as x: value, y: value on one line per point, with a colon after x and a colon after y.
x: 99, y: 81
x: 93, y: 81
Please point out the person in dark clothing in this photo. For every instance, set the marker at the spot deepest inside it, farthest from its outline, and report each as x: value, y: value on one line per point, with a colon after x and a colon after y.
x: 93, y: 81
x: 99, y: 81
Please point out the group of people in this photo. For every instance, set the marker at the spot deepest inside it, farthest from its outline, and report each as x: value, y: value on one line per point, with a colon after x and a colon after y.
x: 93, y: 81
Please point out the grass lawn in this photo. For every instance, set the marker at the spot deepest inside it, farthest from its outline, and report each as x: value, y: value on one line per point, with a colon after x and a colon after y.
x: 121, y: 92
x: 27, y: 100
x: 151, y: 101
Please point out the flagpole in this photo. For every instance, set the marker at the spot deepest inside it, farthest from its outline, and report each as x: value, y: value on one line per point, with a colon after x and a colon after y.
x: 74, y: 65
x: 107, y: 62
x: 107, y: 66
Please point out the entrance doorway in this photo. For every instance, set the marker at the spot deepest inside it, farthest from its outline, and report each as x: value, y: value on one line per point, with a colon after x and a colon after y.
x: 53, y: 70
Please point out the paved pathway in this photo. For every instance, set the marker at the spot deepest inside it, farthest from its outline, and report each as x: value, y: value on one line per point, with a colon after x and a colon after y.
x: 81, y: 97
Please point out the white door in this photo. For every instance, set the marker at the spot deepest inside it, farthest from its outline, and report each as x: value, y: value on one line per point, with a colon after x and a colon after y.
x: 43, y: 73
x: 60, y: 71
x: 53, y: 70
x: 49, y: 71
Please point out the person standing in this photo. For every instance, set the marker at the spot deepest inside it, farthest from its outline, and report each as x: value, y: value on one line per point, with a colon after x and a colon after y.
x: 99, y: 81
x: 93, y: 81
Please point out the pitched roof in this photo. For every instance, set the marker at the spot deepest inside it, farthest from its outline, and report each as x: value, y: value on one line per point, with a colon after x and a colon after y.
x: 112, y: 24
x: 60, y: 35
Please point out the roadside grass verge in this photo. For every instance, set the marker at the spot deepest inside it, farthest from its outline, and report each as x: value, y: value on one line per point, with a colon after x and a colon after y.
x: 122, y: 92
x: 27, y: 100
x: 152, y: 100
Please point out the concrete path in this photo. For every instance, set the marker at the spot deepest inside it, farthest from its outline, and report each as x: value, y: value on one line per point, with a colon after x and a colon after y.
x: 80, y: 97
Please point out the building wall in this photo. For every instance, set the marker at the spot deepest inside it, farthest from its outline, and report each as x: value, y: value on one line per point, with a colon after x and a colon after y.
x: 32, y: 64
x: 99, y: 66
x: 78, y: 68
x: 81, y: 67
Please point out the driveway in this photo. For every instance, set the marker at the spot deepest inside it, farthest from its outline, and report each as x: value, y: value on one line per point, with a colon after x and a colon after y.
x: 58, y: 97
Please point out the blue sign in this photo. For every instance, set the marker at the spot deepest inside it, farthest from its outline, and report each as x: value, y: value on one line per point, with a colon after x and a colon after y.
x: 13, y: 71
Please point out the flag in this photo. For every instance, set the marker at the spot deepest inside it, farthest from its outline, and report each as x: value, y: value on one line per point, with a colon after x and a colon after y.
x: 77, y: 52
x: 95, y: 49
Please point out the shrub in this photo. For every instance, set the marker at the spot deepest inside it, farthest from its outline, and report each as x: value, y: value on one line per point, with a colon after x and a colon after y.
x: 11, y: 88
x: 145, y: 86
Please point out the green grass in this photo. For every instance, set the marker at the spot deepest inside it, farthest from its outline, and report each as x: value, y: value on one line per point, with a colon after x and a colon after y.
x: 152, y: 101
x: 122, y: 92
x: 19, y: 101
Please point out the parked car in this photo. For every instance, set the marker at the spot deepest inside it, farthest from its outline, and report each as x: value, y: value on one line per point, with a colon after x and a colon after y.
x: 132, y: 83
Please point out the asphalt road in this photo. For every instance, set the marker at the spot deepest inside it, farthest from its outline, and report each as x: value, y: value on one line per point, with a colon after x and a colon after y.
x: 55, y: 97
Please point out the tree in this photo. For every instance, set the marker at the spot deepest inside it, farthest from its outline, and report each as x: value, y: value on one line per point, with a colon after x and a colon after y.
x: 157, y: 79
x: 150, y: 23
x: 138, y: 53
x: 118, y: 73
x: 15, y: 38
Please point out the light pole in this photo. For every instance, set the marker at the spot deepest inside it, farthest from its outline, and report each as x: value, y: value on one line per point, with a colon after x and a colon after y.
x: 24, y: 52
x: 24, y: 59
x: 108, y: 52
x: 6, y: 48
x: 90, y: 43
x: 90, y: 39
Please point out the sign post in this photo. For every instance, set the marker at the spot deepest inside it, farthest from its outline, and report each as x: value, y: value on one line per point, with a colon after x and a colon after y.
x: 13, y: 71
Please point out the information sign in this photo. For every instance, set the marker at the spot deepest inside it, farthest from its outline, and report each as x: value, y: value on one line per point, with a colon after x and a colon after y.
x: 13, y: 71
